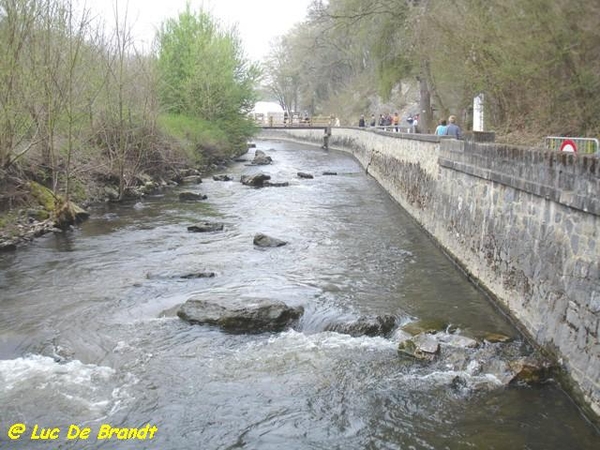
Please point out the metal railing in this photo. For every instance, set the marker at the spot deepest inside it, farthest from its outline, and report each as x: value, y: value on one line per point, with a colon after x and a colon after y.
x: 588, y: 146
x: 280, y: 122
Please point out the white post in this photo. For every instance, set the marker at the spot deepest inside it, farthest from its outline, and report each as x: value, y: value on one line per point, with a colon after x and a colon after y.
x: 478, y: 124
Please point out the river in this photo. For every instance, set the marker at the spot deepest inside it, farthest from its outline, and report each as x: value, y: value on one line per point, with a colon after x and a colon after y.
x: 89, y: 336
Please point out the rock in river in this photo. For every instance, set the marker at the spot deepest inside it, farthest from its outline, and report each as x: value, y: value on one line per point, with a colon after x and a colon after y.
x: 276, y: 184
x: 261, y: 158
x: 531, y: 370
x: 192, y: 276
x: 256, y: 180
x: 262, y: 240
x: 191, y: 197
x: 206, y: 227
x: 366, y: 326
x: 222, y: 178
x: 250, y: 316
x: 423, y: 346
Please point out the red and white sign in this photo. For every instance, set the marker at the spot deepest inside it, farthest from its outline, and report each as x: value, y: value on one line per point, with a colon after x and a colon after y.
x: 568, y: 146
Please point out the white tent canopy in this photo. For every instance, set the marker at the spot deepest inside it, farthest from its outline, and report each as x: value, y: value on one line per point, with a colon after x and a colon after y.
x: 268, y: 113
x: 267, y: 108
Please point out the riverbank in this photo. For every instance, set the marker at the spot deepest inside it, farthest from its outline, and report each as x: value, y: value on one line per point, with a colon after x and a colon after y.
x: 37, y: 212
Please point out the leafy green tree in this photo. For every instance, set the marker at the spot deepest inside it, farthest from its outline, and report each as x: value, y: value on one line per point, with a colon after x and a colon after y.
x: 204, y: 74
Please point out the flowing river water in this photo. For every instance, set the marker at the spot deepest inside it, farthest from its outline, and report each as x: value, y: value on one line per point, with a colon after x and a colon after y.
x: 89, y: 336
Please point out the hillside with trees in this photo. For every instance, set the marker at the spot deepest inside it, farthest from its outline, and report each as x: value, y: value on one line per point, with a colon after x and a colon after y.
x: 537, y: 63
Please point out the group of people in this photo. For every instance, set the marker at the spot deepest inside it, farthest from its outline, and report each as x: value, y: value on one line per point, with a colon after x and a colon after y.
x: 448, y: 128
x: 444, y: 128
x: 388, y: 120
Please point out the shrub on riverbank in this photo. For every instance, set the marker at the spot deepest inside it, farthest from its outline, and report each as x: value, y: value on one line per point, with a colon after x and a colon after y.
x: 202, y: 142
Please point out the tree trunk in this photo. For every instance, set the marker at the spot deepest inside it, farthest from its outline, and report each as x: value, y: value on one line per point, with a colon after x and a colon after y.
x: 425, y: 112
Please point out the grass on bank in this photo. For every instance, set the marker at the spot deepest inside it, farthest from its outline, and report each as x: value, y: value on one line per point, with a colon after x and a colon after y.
x: 202, y: 141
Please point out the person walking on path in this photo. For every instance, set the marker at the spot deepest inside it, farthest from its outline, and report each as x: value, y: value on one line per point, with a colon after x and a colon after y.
x: 453, y: 129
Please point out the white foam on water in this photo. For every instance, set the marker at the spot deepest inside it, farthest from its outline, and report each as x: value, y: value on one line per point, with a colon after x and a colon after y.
x: 43, y: 369
x: 294, y: 341
x: 36, y: 379
x: 448, y: 378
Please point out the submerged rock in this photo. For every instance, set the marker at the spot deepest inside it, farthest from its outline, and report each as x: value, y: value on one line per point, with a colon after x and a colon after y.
x: 191, y: 197
x: 425, y: 326
x: 188, y: 276
x: 494, y: 338
x: 366, y: 326
x: 222, y: 178
x: 262, y: 240
x: 192, y: 276
x: 252, y: 316
x: 206, y: 227
x: 276, y: 184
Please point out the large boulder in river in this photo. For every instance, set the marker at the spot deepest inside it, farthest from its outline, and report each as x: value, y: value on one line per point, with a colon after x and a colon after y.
x: 250, y: 316
x: 261, y: 158
x: 366, y: 326
x: 256, y: 180
x: 262, y: 240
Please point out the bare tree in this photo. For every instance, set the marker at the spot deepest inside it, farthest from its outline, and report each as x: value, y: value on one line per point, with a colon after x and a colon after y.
x: 18, y: 132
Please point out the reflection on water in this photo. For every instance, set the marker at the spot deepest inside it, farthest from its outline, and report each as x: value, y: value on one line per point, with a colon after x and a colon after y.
x: 88, y: 332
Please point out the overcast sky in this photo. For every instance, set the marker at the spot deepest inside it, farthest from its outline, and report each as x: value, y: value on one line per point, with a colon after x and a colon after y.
x: 259, y: 21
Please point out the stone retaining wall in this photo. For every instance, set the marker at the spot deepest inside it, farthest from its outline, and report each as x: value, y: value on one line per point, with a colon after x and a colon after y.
x: 524, y: 223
